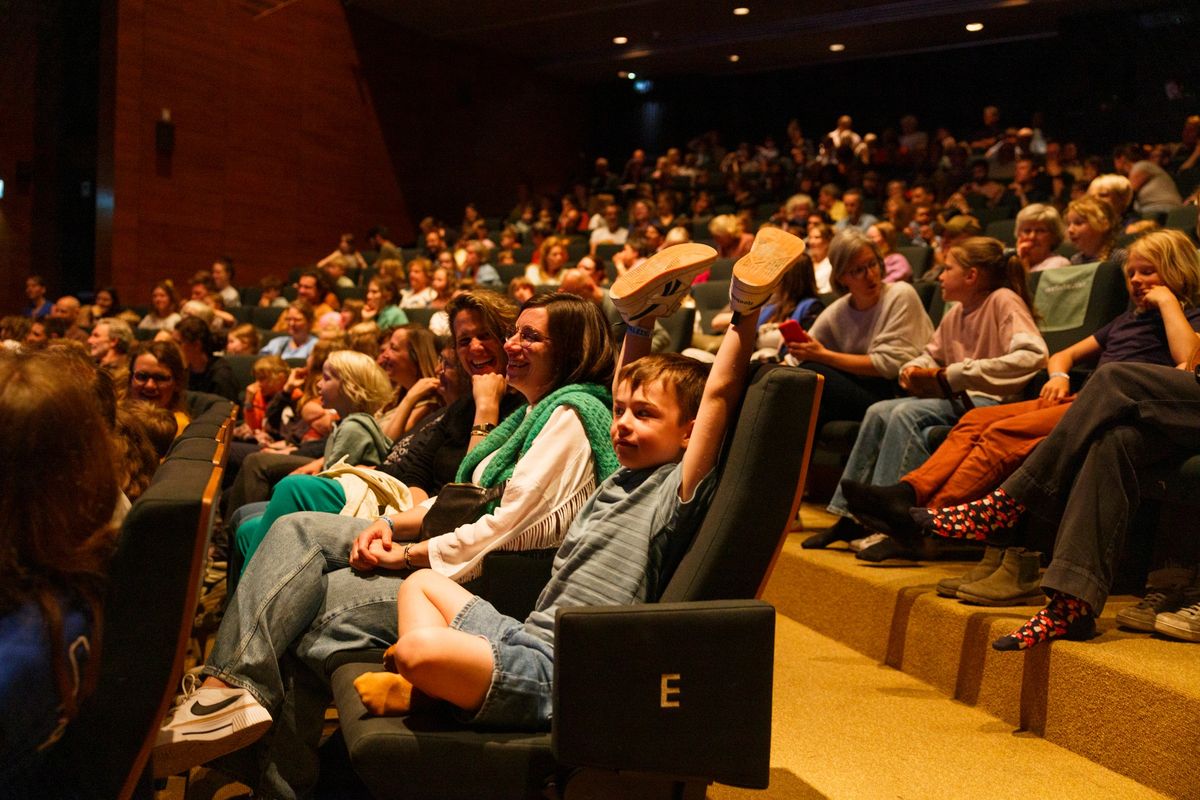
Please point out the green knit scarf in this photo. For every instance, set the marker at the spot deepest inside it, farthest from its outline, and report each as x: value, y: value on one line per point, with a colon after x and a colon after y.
x: 514, y: 436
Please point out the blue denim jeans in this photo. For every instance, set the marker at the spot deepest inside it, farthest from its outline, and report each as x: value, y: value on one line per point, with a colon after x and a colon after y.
x: 521, y: 694
x: 298, y: 603
x: 891, y: 442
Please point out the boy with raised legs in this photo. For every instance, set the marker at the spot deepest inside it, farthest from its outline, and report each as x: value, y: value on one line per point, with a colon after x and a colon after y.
x: 668, y: 424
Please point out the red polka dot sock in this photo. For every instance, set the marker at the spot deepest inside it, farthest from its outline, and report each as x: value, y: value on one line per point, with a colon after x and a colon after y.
x: 1065, y: 617
x: 978, y: 520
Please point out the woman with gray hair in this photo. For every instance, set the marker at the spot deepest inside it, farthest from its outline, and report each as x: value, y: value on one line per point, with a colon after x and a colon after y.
x: 1039, y: 231
x: 861, y: 340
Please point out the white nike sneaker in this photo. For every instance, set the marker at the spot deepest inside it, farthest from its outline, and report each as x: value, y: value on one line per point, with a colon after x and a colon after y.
x: 207, y: 723
x: 756, y: 274
x: 657, y: 286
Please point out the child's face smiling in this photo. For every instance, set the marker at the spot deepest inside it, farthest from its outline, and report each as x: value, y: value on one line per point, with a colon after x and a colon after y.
x: 646, y: 429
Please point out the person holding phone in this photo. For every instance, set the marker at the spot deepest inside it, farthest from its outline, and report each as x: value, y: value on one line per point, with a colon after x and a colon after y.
x: 793, y: 306
x: 863, y: 338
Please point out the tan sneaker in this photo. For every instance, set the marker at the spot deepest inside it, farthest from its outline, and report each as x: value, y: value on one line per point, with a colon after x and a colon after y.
x: 657, y: 286
x: 756, y: 274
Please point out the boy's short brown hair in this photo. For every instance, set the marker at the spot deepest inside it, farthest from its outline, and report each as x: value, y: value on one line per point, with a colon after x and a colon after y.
x: 683, y: 376
x: 268, y: 366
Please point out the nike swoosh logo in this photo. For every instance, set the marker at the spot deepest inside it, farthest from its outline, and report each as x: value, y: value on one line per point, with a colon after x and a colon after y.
x: 200, y: 710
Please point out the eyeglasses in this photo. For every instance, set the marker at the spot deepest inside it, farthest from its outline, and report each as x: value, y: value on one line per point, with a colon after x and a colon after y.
x: 157, y: 377
x: 858, y: 272
x: 527, y: 337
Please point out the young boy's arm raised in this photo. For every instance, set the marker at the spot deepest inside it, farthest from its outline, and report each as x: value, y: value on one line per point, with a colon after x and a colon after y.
x: 755, y: 277
x: 656, y: 287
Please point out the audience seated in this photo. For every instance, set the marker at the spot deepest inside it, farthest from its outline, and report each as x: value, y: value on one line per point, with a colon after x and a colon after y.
x: 989, y: 444
x: 207, y: 372
x: 549, y: 458
x: 411, y: 414
x: 164, y: 308
x: 895, y: 266
x: 1092, y: 229
x: 157, y: 375
x: 311, y: 288
x: 986, y: 348
x: 383, y: 303
x: 110, y: 341
x: 865, y: 336
x: 1039, y: 232
x: 354, y: 388
x: 299, y: 341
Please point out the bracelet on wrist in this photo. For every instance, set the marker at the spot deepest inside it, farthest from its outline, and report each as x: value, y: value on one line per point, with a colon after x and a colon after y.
x: 484, y: 429
x: 407, y: 561
x: 636, y: 331
x: 1060, y: 375
x: 388, y: 521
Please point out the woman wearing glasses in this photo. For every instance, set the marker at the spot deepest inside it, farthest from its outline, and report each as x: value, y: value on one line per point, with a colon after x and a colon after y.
x: 863, y: 338
x: 158, y: 375
x: 298, y: 594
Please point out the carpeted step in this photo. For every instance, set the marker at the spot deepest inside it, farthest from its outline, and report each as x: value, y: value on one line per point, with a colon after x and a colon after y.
x: 1125, y: 700
x: 845, y: 727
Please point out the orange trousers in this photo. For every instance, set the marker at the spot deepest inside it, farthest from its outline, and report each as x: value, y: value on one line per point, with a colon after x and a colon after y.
x: 985, y: 447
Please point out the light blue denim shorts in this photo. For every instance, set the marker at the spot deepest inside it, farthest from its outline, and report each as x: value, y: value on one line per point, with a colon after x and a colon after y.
x: 522, y: 680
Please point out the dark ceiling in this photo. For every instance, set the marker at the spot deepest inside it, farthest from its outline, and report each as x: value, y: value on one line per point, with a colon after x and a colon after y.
x: 573, y: 39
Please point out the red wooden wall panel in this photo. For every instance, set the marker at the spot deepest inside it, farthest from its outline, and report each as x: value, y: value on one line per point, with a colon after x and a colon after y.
x: 277, y: 150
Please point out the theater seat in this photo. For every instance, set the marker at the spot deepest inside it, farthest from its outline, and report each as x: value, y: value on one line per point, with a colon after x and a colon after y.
x: 670, y: 696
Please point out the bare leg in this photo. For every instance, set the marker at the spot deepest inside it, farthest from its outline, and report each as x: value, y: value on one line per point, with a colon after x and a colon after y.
x: 428, y: 600
x: 429, y: 655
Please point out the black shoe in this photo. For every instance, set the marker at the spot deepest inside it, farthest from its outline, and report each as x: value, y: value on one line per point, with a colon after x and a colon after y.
x: 888, y: 550
x: 883, y: 508
x: 843, y: 530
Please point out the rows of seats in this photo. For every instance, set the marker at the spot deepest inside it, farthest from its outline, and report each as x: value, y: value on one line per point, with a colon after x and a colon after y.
x: 154, y: 582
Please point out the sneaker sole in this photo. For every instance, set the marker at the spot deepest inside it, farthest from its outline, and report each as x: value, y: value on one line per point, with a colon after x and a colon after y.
x: 248, y: 724
x: 1168, y: 627
x: 1133, y: 623
x: 672, y: 269
x: 756, y: 274
x: 1033, y: 599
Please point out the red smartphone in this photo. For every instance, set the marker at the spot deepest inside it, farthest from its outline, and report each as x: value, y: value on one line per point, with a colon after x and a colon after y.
x: 793, y: 331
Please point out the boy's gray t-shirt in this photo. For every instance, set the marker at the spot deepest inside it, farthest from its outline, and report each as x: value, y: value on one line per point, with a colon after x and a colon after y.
x: 616, y: 548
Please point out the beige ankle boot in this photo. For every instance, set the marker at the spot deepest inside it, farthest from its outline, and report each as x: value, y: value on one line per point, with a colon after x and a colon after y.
x: 948, y: 587
x: 1015, y: 583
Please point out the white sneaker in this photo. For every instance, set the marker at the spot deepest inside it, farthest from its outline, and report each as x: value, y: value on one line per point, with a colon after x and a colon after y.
x: 1182, y: 624
x: 657, y: 286
x: 756, y: 274
x: 207, y: 723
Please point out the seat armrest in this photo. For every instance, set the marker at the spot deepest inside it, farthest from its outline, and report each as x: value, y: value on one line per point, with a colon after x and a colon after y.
x: 512, y: 580
x: 673, y: 689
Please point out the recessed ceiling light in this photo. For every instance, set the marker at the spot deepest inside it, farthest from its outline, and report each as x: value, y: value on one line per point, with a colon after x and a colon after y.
x: 620, y: 40
x: 974, y: 27
x: 622, y: 74
x: 632, y: 76
x: 836, y: 47
x: 735, y: 58
x: 741, y: 11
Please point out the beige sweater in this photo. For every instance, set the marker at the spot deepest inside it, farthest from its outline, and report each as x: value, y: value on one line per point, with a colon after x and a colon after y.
x: 891, y: 332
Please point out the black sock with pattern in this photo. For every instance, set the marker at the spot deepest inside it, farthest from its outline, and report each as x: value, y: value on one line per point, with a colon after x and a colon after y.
x: 979, y: 520
x: 1065, y: 617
